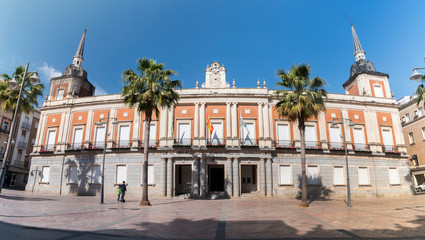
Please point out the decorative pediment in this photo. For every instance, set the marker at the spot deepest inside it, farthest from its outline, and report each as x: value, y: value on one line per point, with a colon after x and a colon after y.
x: 215, y: 76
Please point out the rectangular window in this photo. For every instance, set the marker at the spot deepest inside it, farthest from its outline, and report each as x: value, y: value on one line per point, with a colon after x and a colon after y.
x: 152, y: 135
x: 95, y: 174
x: 283, y: 135
x: 72, y: 174
x: 363, y: 176
x: 184, y: 134
x: 248, y: 134
x: 36, y: 125
x: 339, y: 175
x: 59, y: 95
x: 151, y: 177
x: 310, y: 136
x: 124, y: 139
x: 121, y: 174
x: 335, y: 137
x: 378, y: 91
x: 420, y: 112
x: 5, y: 126
x: 388, y: 140
x: 51, y: 138
x: 411, y: 138
x: 407, y: 116
x: 423, y: 133
x: 359, y: 139
x: 216, y: 138
x: 313, y: 175
x: 394, y: 177
x: 285, y: 175
x: 77, y: 142
x: 45, y: 174
x: 100, y: 137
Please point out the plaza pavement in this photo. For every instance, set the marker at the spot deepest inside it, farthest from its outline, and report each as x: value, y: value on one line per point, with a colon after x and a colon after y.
x: 25, y: 215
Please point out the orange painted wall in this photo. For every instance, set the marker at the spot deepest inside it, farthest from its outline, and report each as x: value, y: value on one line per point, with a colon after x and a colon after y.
x: 253, y: 114
x: 221, y: 114
x: 275, y: 115
x: 190, y: 113
x: 52, y: 125
x: 372, y: 82
x: 361, y: 120
x: 121, y: 118
x: 389, y: 122
x: 329, y: 118
x: 82, y: 122
x: 65, y: 92
x: 96, y: 118
x: 154, y: 117
x: 354, y: 90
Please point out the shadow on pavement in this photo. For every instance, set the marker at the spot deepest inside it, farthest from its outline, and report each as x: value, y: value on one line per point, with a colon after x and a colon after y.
x: 25, y: 198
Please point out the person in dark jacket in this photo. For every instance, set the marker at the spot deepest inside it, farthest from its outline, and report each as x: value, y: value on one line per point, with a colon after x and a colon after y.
x: 123, y: 188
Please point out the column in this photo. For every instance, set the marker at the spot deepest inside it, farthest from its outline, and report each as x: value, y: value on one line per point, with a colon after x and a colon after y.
x: 236, y: 191
x: 347, y: 130
x: 60, y: 143
x: 40, y: 133
x: 235, y: 125
x: 260, y: 126
x: 195, y: 177
x: 170, y: 137
x: 229, y: 176
x: 398, y: 133
x: 228, y: 125
x: 202, y: 178
x: 373, y: 129
x: 262, y: 177
x: 322, y: 130
x: 170, y: 177
x: 269, y: 184
x: 111, y: 128
x: 89, y: 127
x: 202, y: 126
x: 164, y: 176
x: 163, y: 127
x: 267, y: 142
x: 136, y: 130
x: 196, y: 126
x: 271, y: 123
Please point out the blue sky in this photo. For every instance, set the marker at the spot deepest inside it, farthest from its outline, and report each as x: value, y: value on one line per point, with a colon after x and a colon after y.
x: 252, y: 38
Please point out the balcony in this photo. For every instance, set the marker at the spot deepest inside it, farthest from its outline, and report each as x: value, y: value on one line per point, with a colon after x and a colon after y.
x: 152, y: 144
x: 75, y: 146
x: 4, y: 130
x: 389, y: 149
x: 182, y: 142
x: 361, y: 147
x: 215, y: 142
x: 26, y: 126
x: 22, y: 145
x: 284, y: 144
x: 312, y: 145
x: 49, y: 148
x: 336, y: 146
x: 97, y: 145
x: 121, y: 144
x: 247, y: 142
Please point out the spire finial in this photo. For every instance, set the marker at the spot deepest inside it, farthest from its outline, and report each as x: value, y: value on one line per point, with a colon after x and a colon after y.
x: 234, y: 83
x: 264, y: 83
x: 78, y: 58
x: 197, y: 83
x: 358, y: 51
x: 258, y: 83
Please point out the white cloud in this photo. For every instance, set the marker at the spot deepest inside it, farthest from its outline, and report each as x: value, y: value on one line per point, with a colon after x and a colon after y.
x: 47, y: 72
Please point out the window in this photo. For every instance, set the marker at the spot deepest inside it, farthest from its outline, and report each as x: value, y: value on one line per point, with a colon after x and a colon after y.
x: 310, y: 136
x: 184, y: 111
x: 77, y: 142
x: 121, y: 174
x: 411, y: 138
x: 420, y: 112
x: 51, y: 139
x: 5, y: 126
x: 285, y: 175
x: 95, y: 174
x: 335, y: 137
x: 100, y: 137
x: 359, y: 139
x: 407, y: 117
x: 151, y: 177
x: 124, y: 137
x: 59, y: 95
x: 384, y: 119
x: 45, y: 174
x: 363, y: 176
x: 33, y: 141
x: 339, y: 175
x: 313, y: 175
x: 216, y: 138
x: 152, y: 135
x: 423, y: 133
x: 184, y: 134
x: 36, y: 125
x: 72, y: 177
x: 378, y: 90
x: 283, y: 135
x: 394, y: 177
x: 387, y: 139
x: 248, y: 134
x: 125, y: 114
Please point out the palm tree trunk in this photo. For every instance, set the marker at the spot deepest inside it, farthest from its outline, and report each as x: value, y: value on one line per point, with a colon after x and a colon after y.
x: 304, y: 202
x: 145, y: 200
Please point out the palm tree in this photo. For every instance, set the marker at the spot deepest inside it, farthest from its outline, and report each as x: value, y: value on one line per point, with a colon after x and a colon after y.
x: 420, y: 91
x: 148, y: 88
x: 302, y: 99
x: 30, y: 93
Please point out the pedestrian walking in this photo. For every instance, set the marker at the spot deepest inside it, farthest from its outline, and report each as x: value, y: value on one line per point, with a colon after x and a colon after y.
x: 123, y: 188
x: 118, y: 193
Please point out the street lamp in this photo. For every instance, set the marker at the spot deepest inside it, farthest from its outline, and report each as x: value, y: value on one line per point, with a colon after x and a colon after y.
x: 100, y: 122
x: 13, y: 84
x: 417, y: 76
x: 351, y: 124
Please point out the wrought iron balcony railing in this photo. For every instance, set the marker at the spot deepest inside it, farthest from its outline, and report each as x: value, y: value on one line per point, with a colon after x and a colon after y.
x: 216, y: 142
x: 284, y: 144
x: 183, y: 142
x: 26, y: 126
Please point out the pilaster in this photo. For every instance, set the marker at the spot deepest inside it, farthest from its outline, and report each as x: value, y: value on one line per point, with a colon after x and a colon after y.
x: 260, y: 126
x: 262, y: 177
x: 195, y: 177
x: 170, y: 177
x: 202, y: 141
x: 229, y: 176
x: 203, y: 178
x: 235, y: 125
x: 269, y: 186
x: 228, y: 125
x: 236, y: 176
x: 196, y: 126
x: 164, y: 176
x: 163, y: 130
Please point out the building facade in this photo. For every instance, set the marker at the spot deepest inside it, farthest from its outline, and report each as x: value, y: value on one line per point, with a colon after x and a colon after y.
x: 250, y: 150
x: 413, y: 123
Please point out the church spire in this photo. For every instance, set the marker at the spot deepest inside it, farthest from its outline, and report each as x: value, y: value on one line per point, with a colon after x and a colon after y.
x: 358, y: 51
x: 78, y: 58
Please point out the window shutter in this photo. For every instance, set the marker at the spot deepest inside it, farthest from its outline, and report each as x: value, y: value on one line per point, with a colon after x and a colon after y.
x: 121, y: 174
x: 51, y: 140
x: 310, y: 136
x: 217, y: 134
x: 363, y: 176
x: 285, y: 174
x: 78, y: 138
x: 184, y: 133
x: 313, y: 174
x: 124, y: 139
x: 152, y: 135
x: 339, y: 176
x: 73, y: 174
x: 378, y: 91
x: 96, y: 174
x: 100, y: 137
x: 283, y: 135
x: 45, y: 177
x: 150, y: 175
x: 394, y: 177
x: 335, y: 137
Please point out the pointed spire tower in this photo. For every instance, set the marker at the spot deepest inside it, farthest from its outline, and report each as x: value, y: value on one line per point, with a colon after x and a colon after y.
x: 78, y: 58
x: 364, y: 79
x: 358, y: 51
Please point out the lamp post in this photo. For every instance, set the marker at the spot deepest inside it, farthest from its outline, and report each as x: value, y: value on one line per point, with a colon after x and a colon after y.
x: 13, y: 84
x: 351, y: 124
x: 417, y: 76
x: 102, y: 186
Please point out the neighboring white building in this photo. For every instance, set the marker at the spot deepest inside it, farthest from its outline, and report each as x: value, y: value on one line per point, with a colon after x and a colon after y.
x: 260, y: 158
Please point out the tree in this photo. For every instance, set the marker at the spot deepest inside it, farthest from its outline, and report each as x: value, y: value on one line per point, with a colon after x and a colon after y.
x: 302, y: 99
x: 148, y: 88
x: 30, y: 93
x: 420, y: 91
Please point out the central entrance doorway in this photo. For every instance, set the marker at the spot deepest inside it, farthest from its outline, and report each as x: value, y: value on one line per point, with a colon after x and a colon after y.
x: 183, y: 179
x: 216, y: 177
x: 248, y: 178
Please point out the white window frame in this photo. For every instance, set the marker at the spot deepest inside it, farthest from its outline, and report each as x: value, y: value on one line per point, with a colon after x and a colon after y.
x: 120, y: 143
x: 290, y: 183
x: 100, y: 140
x: 216, y: 121
x: 280, y: 141
x: 407, y: 117
x: 100, y: 172
x: 411, y: 138
x: 375, y: 86
x: 397, y: 177
x: 151, y: 143
x: 69, y: 174
x: 367, y: 177
x: 82, y: 137
x: 151, y: 175
x: 48, y: 138
x: 58, y: 96
x: 184, y: 121
x: 360, y: 127
x: 318, y: 175
x: 253, y: 135
x: 387, y: 128
x: 116, y: 173
x: 420, y: 112
x: 343, y: 176
x: 314, y: 125
x: 42, y: 176
x: 337, y: 143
